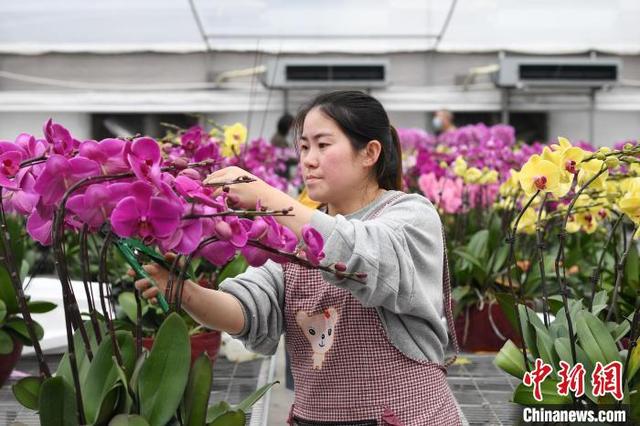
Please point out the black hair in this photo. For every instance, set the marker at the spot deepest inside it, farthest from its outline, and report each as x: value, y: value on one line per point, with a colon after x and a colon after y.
x: 284, y: 124
x: 362, y: 118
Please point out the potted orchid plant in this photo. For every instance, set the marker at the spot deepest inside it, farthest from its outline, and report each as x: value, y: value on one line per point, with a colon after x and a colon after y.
x: 136, y: 196
x: 578, y: 329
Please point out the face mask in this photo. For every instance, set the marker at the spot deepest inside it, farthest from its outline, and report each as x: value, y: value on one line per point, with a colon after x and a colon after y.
x: 436, y: 123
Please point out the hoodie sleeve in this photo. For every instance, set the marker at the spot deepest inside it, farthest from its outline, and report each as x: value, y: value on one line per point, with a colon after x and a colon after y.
x: 260, y: 292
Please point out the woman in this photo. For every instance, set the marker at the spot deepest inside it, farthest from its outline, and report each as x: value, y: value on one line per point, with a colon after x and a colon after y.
x: 362, y: 354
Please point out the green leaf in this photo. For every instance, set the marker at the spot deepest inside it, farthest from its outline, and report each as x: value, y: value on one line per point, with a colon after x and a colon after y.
x: 57, y: 403
x: 27, y: 391
x: 128, y: 420
x: 164, y: 375
x: 562, y: 346
x: 527, y: 319
x: 232, y: 418
x: 248, y: 402
x: 499, y: 257
x: 544, y: 343
x: 98, y: 387
x: 470, y: 258
x: 232, y: 269
x: 41, y: 307
x: 600, y: 298
x: 127, y: 301
x: 7, y: 293
x: 19, y: 326
x: 595, y: 339
x: 510, y: 360
x: 618, y: 331
x: 555, y: 304
x: 82, y: 360
x: 524, y: 394
x: 3, y: 310
x: 634, y: 363
x: 6, y: 343
x: 196, y: 397
x: 478, y: 245
x: 216, y: 410
x: 632, y: 268
x: 508, y: 308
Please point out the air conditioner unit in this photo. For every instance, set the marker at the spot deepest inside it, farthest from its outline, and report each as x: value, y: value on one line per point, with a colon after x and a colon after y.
x: 558, y: 72
x: 314, y: 73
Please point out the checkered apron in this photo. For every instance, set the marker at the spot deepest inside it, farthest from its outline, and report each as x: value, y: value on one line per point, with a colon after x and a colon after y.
x: 345, y: 369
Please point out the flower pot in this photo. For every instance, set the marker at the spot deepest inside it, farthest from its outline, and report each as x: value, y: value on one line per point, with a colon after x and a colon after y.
x: 9, y: 361
x: 208, y: 341
x: 484, y: 330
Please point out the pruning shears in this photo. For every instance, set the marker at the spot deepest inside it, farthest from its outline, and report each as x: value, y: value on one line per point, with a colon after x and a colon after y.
x: 131, y: 248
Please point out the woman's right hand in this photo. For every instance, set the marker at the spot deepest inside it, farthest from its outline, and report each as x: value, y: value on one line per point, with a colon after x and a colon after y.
x: 159, y: 274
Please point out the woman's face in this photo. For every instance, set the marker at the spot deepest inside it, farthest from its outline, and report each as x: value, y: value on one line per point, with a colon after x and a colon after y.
x: 331, y: 168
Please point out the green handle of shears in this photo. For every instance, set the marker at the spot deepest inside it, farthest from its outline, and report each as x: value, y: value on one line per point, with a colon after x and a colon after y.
x: 133, y: 262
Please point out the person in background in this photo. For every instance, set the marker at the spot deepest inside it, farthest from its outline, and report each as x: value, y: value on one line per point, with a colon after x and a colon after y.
x: 279, y: 139
x: 443, y: 121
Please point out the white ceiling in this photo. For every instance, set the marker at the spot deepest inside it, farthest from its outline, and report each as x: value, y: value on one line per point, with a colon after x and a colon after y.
x: 304, y: 26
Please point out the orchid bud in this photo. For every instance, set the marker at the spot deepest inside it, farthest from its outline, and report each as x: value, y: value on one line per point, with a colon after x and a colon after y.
x: 340, y: 266
x: 361, y: 275
x: 612, y: 162
x: 190, y: 173
x: 167, y: 147
x: 180, y: 163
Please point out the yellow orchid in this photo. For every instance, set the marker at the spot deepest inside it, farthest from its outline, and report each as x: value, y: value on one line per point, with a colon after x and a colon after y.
x: 630, y: 202
x: 511, y: 185
x: 472, y: 175
x: 587, y: 221
x: 234, y: 136
x: 566, y: 176
x: 527, y: 224
x: 588, y: 169
x: 459, y: 167
x: 488, y: 177
x: 540, y: 175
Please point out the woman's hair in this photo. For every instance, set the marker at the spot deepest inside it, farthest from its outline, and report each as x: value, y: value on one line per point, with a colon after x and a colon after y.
x: 362, y: 119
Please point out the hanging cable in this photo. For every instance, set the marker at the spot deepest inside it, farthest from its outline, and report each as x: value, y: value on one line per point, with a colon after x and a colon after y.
x: 445, y: 26
x: 196, y: 17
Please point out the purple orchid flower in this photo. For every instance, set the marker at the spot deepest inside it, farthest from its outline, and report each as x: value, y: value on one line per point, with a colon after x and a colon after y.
x: 39, y: 224
x: 107, y: 153
x: 314, y: 244
x: 193, y: 138
x: 59, y: 138
x: 144, y: 158
x: 60, y: 174
x: 24, y: 199
x: 94, y: 207
x: 145, y: 215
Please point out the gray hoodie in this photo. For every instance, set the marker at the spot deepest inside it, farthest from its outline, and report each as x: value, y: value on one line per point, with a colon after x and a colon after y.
x: 401, y: 251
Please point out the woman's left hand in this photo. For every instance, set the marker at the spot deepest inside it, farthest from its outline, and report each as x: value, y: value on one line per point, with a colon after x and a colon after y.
x: 245, y: 195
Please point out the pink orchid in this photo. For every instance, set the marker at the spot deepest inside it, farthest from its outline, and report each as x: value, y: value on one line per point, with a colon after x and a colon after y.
x: 144, y: 157
x: 444, y: 192
x: 60, y: 174
x: 107, y: 153
x: 94, y: 207
x: 145, y: 215
x: 39, y: 224
x: 313, y: 244
x: 59, y: 138
x: 22, y: 200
